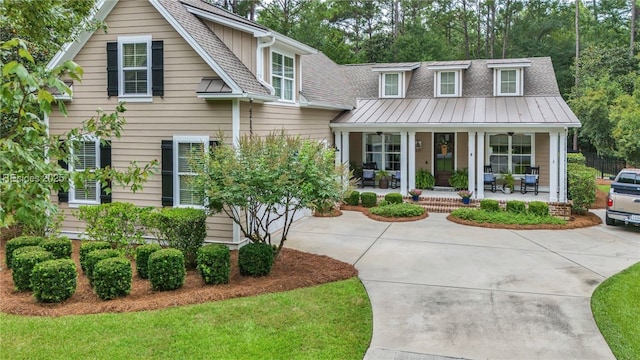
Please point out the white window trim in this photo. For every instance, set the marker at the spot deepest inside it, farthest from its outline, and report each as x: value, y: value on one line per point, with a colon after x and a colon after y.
x: 148, y: 97
x: 383, y: 79
x: 177, y: 139
x: 497, y: 80
x: 487, y: 156
x: 289, y: 55
x: 438, y: 82
x: 383, y: 152
x: 72, y: 190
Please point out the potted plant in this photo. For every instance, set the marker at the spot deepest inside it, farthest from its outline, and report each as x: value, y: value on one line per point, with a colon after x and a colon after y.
x: 508, y: 182
x: 466, y: 196
x: 415, y: 194
x: 383, y: 179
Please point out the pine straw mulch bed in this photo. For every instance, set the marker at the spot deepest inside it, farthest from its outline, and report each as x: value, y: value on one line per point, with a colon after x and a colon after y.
x: 576, y: 222
x: 366, y: 212
x: 293, y: 269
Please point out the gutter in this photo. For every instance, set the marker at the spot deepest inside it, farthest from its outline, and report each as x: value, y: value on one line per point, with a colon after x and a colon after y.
x: 260, y: 62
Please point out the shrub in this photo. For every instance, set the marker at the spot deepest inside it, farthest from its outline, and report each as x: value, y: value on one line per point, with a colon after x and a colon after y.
x: 582, y: 187
x: 489, y: 205
x: 88, y: 246
x: 214, y: 264
x: 353, y: 198
x: 118, y: 223
x: 383, y: 203
x: 576, y: 158
x: 369, y: 199
x: 424, y: 179
x: 255, y: 259
x: 394, y: 198
x: 18, y: 243
x: 112, y: 277
x: 182, y: 228
x: 54, y: 281
x: 25, y: 249
x: 398, y: 210
x: 142, y: 258
x: 60, y: 247
x: 166, y: 269
x: 459, y: 180
x: 23, y: 264
x: 97, y: 255
x: 538, y: 208
x: 503, y: 217
x: 516, y: 206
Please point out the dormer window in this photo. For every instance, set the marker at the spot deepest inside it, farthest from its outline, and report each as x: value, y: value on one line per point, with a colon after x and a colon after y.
x: 508, y: 82
x: 394, y: 78
x: 391, y: 85
x: 508, y: 76
x: 447, y: 80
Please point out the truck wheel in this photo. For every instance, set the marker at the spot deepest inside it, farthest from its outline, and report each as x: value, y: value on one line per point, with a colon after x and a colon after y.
x: 609, y: 221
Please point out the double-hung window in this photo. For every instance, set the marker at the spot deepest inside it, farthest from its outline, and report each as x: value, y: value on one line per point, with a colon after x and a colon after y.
x: 509, y: 82
x: 134, y: 66
x: 384, y: 150
x: 283, y: 76
x: 447, y: 83
x: 85, y: 158
x: 510, y: 153
x: 185, y: 148
x: 391, y: 85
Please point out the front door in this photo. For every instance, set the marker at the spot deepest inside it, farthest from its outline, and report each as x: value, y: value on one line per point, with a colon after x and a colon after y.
x: 443, y: 157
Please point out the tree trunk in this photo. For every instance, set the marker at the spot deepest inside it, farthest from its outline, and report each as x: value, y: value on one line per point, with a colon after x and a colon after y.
x: 634, y: 17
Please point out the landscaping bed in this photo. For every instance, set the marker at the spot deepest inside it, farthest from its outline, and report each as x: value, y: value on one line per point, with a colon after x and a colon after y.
x: 366, y: 212
x: 293, y: 269
x: 576, y: 222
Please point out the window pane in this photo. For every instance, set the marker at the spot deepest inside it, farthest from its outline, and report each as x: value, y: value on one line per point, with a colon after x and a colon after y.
x: 86, y: 156
x: 89, y: 192
x: 288, y: 90
x: 447, y: 83
x: 391, y: 84
x: 185, y: 151
x: 288, y: 67
x: 276, y: 65
x: 134, y: 55
x: 521, y: 144
x: 508, y: 81
x: 520, y: 163
x: 189, y: 195
x: 499, y: 144
x: 277, y: 85
x: 135, y: 81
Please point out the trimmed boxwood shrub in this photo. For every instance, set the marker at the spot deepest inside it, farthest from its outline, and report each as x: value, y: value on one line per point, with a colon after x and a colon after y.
x: 183, y: 229
x: 25, y: 249
x: 516, y: 206
x: 19, y: 242
x: 97, y: 255
x: 214, y: 263
x: 489, y: 205
x: 576, y: 158
x: 369, y: 199
x: 88, y: 246
x: 353, y: 198
x: 112, y: 278
x: 166, y: 269
x: 539, y: 208
x: 255, y: 259
x: 60, y: 247
x: 142, y: 258
x: 394, y: 198
x: 54, y: 281
x: 398, y: 210
x: 582, y: 187
x: 23, y: 264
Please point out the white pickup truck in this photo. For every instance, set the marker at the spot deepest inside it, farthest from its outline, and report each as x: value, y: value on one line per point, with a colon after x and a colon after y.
x: 623, y: 201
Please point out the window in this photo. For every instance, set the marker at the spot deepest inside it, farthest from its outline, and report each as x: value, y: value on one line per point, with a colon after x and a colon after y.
x: 185, y: 194
x: 282, y: 76
x: 134, y: 66
x: 391, y: 85
x: 447, y: 83
x: 510, y: 153
x: 384, y: 150
x: 509, y: 82
x: 86, y: 157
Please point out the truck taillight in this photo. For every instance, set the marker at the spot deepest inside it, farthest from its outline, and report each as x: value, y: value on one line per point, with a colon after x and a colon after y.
x: 609, y: 202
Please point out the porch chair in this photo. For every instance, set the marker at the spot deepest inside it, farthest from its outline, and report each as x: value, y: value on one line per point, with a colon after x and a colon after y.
x: 395, y: 179
x: 368, y: 174
x: 489, y: 177
x: 531, y: 179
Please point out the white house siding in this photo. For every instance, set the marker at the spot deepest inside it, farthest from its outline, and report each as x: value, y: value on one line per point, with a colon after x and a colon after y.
x: 179, y: 112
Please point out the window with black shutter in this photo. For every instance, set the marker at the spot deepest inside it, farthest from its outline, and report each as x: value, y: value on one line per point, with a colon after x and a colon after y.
x: 135, y: 67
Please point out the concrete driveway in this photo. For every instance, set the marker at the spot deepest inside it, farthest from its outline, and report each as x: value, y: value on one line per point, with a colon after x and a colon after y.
x: 441, y: 290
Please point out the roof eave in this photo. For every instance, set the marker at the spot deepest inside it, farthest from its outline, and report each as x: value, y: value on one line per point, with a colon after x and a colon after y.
x: 256, y: 31
x: 325, y: 105
x: 454, y: 125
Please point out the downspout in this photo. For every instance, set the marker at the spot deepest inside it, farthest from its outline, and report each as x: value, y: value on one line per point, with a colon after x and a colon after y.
x: 260, y: 64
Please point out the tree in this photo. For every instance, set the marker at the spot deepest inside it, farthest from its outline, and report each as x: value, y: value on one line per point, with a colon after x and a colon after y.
x: 266, y: 180
x: 27, y: 176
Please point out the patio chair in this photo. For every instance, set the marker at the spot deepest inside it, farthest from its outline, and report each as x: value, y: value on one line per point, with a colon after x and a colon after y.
x: 368, y: 176
x: 530, y: 179
x: 395, y: 179
x: 489, y: 177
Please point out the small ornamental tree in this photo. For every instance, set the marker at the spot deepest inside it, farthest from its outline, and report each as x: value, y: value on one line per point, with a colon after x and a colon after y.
x: 265, y: 180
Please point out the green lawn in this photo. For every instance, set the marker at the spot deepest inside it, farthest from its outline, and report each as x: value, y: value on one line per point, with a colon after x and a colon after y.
x: 330, y: 321
x: 604, y: 188
x: 616, y: 309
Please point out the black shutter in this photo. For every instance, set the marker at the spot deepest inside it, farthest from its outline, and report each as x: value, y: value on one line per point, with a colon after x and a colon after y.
x: 112, y: 68
x: 63, y: 196
x: 157, y: 68
x: 167, y: 172
x: 105, y: 160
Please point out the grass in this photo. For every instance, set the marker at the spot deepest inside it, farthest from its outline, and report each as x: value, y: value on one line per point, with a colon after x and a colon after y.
x: 504, y: 217
x: 330, y: 321
x: 616, y: 308
x: 604, y: 188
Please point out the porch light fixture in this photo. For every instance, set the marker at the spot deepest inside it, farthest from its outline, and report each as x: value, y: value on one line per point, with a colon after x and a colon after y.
x: 379, y: 133
x: 510, y: 133
x: 418, y: 145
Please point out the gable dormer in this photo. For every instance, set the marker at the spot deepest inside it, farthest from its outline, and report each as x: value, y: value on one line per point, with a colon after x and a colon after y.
x: 447, y: 77
x: 394, y: 79
x: 508, y: 76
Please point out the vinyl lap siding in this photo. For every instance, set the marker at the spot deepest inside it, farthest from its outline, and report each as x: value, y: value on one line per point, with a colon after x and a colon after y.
x: 308, y: 123
x: 179, y: 112
x: 542, y: 157
x: 243, y: 45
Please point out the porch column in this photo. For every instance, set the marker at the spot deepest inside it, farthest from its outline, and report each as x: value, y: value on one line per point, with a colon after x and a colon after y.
x: 345, y: 149
x: 480, y: 160
x: 553, y: 167
x: 562, y: 178
x: 472, y: 163
x: 403, y: 162
x: 337, y: 142
x: 412, y: 160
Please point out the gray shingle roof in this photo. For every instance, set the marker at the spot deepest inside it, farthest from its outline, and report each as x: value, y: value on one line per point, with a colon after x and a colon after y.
x: 325, y: 82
